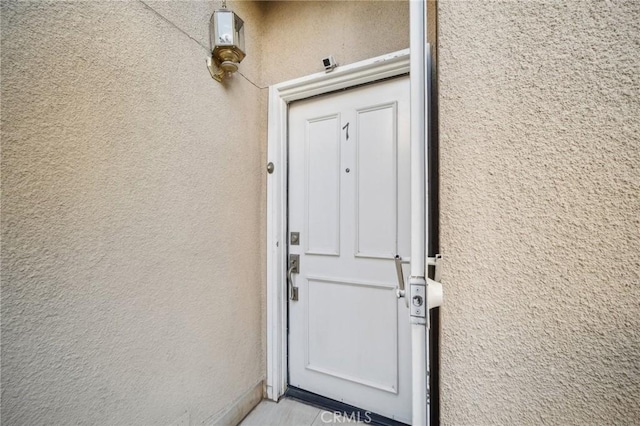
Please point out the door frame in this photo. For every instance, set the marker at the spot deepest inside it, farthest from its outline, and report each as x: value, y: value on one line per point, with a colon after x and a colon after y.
x: 280, y: 95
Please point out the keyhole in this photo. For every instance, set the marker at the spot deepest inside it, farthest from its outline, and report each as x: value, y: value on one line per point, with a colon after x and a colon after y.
x: 417, y: 300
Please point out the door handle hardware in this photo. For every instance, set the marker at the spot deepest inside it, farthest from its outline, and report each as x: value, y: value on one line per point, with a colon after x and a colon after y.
x: 400, y: 291
x: 294, y: 268
x: 434, y: 288
x: 436, y: 263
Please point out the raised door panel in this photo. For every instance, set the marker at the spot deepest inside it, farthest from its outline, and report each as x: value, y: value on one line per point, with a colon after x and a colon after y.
x: 376, y: 195
x: 322, y: 176
x: 340, y: 342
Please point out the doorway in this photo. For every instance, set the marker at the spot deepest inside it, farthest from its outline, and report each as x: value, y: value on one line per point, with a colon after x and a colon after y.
x: 281, y: 96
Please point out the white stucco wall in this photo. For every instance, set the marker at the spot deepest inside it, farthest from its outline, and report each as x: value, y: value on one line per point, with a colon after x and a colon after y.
x: 132, y: 188
x: 540, y: 205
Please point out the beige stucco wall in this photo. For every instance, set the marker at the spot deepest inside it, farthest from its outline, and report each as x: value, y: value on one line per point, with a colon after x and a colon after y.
x: 133, y: 200
x: 298, y: 34
x: 540, y: 191
x: 132, y: 192
x: 133, y: 205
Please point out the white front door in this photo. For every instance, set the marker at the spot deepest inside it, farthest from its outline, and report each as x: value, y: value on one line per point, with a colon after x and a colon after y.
x: 349, y: 200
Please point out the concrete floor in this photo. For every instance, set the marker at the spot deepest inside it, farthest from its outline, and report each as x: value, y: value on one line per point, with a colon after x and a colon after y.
x: 288, y: 412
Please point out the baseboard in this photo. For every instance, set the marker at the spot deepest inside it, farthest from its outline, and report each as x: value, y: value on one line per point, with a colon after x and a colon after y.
x: 233, y: 415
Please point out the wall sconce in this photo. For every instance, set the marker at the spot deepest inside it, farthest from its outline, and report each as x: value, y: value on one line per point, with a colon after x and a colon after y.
x: 226, y: 41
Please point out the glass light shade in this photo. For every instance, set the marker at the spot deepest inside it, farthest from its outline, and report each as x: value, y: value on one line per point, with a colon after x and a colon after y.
x: 226, y: 36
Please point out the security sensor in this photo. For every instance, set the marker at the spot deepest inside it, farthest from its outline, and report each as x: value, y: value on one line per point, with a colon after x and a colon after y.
x: 329, y: 63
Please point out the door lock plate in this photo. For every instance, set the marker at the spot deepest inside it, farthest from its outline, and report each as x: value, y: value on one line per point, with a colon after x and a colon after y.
x: 294, y: 238
x: 418, y: 294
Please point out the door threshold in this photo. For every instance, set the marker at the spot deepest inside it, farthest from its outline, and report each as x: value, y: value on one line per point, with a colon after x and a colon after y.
x: 349, y: 411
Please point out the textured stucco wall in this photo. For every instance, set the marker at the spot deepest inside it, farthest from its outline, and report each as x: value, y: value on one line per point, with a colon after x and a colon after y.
x: 540, y: 212
x: 298, y: 34
x: 134, y: 204
x: 132, y: 215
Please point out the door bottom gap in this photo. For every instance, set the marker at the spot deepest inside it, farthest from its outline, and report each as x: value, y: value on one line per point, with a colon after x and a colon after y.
x: 331, y: 405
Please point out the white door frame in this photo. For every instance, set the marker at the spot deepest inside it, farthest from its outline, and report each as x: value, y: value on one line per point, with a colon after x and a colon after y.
x: 280, y: 95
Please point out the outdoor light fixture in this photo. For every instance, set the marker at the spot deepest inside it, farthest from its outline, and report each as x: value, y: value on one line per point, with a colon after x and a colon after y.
x: 226, y: 41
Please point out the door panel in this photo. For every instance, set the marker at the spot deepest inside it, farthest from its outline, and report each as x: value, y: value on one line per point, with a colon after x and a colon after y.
x: 330, y: 303
x: 349, y: 335
x: 376, y: 198
x: 322, y: 177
